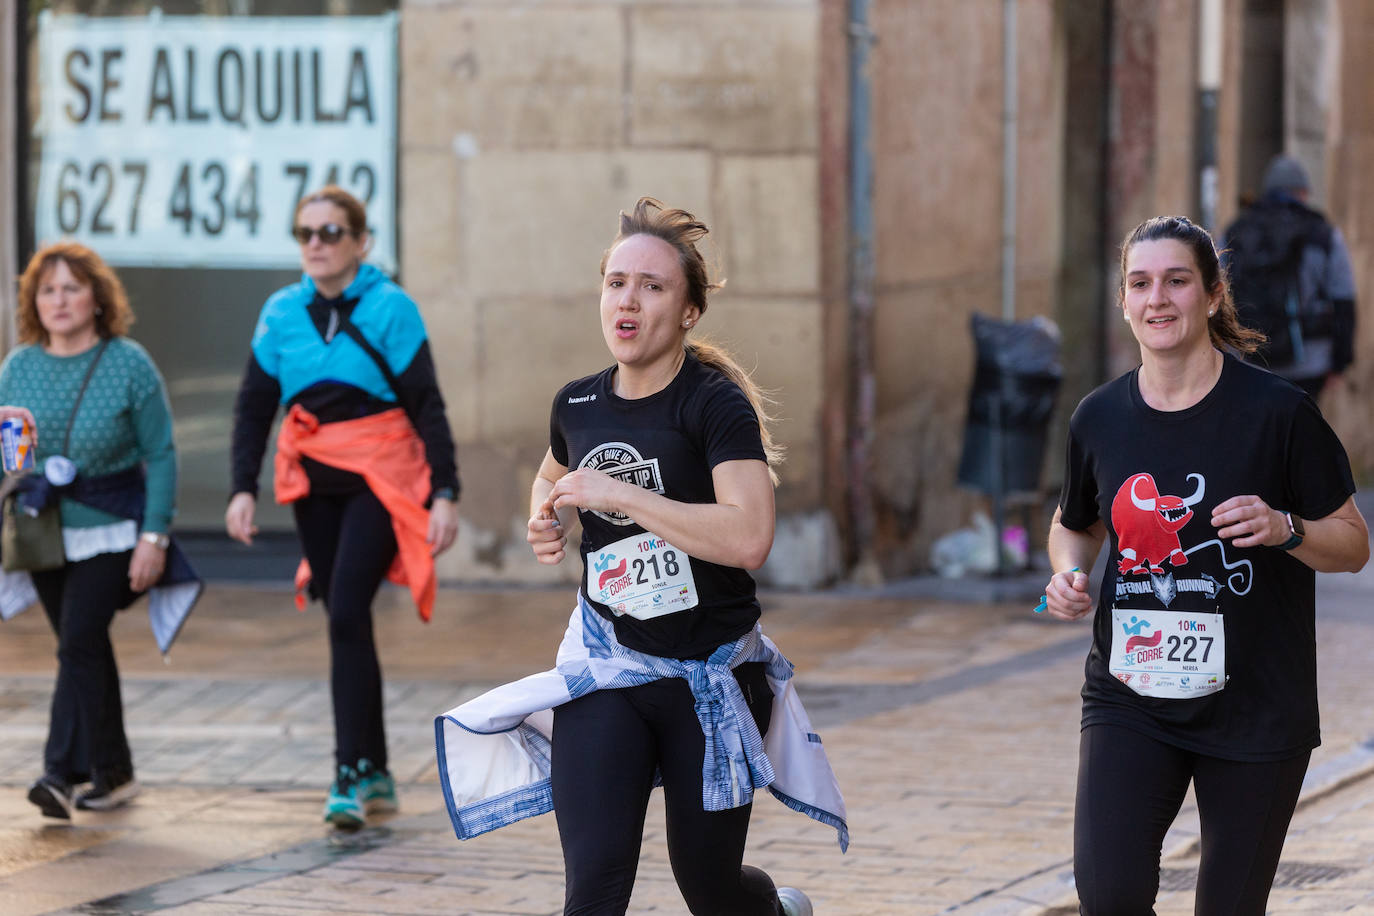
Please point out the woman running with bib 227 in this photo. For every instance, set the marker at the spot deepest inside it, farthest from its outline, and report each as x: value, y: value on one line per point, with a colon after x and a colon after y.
x: 1222, y: 490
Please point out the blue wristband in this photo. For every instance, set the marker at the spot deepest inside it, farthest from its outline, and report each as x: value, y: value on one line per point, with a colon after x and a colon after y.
x: 1045, y: 599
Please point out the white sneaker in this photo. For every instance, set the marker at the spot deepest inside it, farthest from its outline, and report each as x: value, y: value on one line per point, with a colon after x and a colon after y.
x: 794, y: 902
x: 106, y: 795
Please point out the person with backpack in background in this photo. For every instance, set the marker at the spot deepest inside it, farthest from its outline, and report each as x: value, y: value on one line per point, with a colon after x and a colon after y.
x: 1290, y: 274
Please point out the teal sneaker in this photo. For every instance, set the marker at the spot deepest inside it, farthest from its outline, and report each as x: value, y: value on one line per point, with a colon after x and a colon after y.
x: 344, y: 806
x: 377, y: 789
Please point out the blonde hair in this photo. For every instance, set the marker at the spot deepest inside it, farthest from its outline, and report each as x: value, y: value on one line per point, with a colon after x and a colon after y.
x: 682, y: 231
x: 355, y: 212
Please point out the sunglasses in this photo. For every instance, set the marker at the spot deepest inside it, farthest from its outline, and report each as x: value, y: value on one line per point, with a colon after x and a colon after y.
x: 329, y: 233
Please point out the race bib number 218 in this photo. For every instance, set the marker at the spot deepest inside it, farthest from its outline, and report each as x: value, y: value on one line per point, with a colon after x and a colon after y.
x: 642, y: 576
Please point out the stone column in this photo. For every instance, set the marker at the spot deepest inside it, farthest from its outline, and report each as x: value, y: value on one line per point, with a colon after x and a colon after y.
x: 9, y: 144
x: 1349, y: 199
x: 1085, y: 270
x: 1131, y: 151
x: 1311, y: 62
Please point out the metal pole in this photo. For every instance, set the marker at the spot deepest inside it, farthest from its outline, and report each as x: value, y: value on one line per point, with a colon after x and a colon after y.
x: 861, y: 286
x: 1009, y: 117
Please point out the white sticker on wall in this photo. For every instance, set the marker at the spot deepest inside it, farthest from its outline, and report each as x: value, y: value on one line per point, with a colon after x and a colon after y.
x: 186, y: 141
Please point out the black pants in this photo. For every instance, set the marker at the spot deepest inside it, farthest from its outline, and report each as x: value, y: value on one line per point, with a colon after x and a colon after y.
x: 349, y: 543
x: 86, y: 725
x: 606, y: 747
x: 1130, y: 789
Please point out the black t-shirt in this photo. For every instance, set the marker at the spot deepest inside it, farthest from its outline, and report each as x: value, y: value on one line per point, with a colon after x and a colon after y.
x: 668, y: 442
x: 1254, y: 433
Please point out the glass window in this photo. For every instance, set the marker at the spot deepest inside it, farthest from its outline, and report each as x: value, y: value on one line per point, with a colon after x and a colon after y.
x: 177, y: 147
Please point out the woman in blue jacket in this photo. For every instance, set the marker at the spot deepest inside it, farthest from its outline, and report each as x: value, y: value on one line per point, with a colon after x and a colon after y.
x: 365, y: 448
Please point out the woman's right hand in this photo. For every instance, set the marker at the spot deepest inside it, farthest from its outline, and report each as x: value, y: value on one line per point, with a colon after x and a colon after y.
x: 21, y: 413
x: 546, y: 535
x: 238, y: 518
x: 1066, y: 595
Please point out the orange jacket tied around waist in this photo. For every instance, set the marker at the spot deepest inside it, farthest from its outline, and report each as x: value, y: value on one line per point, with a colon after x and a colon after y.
x: 387, y: 452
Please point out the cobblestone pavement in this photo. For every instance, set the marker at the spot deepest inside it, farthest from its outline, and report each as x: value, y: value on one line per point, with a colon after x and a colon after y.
x: 952, y: 727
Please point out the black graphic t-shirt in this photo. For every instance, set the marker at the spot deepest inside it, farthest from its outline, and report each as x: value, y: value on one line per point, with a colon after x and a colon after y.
x: 668, y: 442
x: 1154, y: 477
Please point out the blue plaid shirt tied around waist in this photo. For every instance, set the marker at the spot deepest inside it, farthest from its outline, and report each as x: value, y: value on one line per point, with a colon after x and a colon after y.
x: 494, y: 751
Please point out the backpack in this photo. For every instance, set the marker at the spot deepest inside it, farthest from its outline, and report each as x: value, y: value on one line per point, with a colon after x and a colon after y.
x: 1264, y: 254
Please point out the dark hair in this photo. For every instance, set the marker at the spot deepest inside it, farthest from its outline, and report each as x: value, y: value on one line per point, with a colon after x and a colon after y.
x: 113, y: 314
x: 1224, y: 328
x: 355, y: 210
x: 682, y: 231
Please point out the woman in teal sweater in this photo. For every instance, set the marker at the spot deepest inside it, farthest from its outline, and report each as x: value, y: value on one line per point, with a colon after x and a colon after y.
x: 72, y: 318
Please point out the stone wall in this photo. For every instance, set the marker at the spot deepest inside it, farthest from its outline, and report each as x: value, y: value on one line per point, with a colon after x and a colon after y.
x: 1349, y: 198
x: 526, y: 127
x: 535, y: 124
x: 937, y: 146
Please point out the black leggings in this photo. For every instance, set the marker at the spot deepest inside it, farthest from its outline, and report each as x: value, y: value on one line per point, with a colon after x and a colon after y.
x: 349, y: 543
x: 1130, y: 789
x: 606, y: 747
x: 86, y: 726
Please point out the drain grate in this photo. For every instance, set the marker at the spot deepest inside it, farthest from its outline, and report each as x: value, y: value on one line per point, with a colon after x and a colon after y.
x: 1290, y: 874
x: 1305, y: 874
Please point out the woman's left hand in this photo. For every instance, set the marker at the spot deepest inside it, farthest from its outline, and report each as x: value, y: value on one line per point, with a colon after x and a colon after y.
x: 584, y: 488
x: 443, y: 526
x: 1250, y: 521
x: 146, y: 566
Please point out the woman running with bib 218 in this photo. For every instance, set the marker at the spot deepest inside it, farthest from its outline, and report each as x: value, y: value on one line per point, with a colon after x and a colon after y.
x: 665, y: 455
x: 1222, y: 489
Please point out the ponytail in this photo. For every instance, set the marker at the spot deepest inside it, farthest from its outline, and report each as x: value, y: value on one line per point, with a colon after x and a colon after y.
x: 718, y: 358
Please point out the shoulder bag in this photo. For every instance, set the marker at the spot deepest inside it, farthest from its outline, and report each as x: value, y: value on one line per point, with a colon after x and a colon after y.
x: 32, y: 543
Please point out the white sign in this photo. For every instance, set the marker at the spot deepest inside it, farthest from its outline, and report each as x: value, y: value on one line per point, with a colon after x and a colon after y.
x: 187, y: 140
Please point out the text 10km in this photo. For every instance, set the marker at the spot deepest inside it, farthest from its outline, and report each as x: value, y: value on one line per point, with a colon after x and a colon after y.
x: 204, y: 197
x: 1193, y: 626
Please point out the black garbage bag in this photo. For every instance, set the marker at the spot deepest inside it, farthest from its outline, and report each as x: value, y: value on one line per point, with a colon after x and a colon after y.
x: 1015, y: 384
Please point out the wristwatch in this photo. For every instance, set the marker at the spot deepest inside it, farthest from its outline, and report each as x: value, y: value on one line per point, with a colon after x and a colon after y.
x: 1295, y: 532
x: 445, y: 493
x: 160, y: 541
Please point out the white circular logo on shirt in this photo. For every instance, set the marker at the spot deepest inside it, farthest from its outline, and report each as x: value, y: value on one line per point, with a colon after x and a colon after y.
x: 623, y: 462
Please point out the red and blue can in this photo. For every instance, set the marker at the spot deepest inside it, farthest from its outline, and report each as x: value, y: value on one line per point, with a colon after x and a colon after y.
x: 16, y: 440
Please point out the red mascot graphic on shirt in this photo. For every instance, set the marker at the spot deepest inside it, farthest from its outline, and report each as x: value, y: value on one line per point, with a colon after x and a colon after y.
x: 1147, y: 524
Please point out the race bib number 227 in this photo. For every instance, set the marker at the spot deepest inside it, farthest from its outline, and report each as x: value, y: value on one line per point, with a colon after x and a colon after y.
x: 1168, y: 654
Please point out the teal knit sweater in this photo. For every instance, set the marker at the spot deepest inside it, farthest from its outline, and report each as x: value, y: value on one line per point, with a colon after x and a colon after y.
x: 124, y: 420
